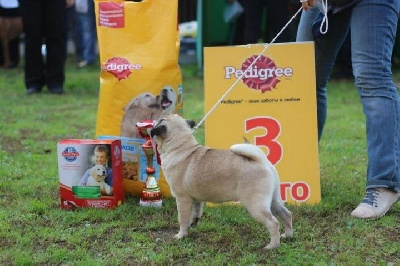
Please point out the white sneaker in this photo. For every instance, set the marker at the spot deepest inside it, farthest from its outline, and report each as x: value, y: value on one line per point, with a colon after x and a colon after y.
x: 376, y: 202
x: 82, y: 64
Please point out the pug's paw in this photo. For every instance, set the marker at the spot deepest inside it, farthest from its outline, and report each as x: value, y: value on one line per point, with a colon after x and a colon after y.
x: 180, y: 235
x: 272, y: 245
x: 287, y: 235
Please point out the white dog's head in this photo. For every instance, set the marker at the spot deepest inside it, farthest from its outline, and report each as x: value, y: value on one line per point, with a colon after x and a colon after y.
x: 98, y: 172
x: 167, y: 100
x: 144, y: 102
x: 145, y: 106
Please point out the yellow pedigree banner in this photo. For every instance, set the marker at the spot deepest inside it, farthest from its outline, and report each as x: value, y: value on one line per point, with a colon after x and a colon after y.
x: 272, y: 106
x: 140, y: 78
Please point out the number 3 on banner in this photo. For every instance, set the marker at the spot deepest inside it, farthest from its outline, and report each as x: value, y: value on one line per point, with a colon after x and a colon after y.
x: 273, y: 130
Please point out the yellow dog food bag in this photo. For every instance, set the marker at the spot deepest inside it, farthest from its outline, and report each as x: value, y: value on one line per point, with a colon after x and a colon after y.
x: 140, y: 77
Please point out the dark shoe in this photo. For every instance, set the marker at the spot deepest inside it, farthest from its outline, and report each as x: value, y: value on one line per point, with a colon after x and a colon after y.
x: 33, y: 90
x: 57, y: 90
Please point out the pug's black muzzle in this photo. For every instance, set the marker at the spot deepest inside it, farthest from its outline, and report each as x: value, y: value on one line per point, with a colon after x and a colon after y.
x: 158, y: 131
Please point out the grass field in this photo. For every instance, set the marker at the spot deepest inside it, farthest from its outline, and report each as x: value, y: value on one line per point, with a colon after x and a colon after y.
x: 35, y: 231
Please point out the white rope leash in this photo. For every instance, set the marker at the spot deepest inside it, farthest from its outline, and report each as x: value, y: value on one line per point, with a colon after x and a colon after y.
x: 244, y: 72
x: 324, y: 25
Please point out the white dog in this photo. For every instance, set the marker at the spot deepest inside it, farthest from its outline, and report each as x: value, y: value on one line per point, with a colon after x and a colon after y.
x: 167, y: 98
x: 146, y: 106
x: 96, y: 178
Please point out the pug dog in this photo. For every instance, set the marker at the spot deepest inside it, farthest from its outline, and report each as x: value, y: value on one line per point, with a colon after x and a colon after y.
x: 198, y: 174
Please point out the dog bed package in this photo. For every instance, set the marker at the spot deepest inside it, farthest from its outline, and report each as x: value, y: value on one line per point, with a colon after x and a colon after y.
x: 90, y: 173
x: 140, y: 78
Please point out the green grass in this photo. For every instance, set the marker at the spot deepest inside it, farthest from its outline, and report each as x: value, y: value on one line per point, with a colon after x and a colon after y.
x: 34, y: 229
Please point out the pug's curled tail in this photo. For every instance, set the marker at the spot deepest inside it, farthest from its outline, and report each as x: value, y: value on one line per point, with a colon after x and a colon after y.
x: 250, y: 151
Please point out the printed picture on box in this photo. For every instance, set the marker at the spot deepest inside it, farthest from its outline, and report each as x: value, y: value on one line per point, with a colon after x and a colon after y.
x: 99, y: 175
x: 130, y: 170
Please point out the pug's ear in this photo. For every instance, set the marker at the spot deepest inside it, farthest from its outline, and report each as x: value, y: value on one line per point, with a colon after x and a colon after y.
x: 191, y: 123
x: 158, y: 131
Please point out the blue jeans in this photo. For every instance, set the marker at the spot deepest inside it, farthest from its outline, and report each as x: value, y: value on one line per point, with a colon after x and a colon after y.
x: 373, y: 26
x: 87, y: 27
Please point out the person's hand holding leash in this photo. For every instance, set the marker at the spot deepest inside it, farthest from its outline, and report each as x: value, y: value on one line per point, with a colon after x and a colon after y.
x: 307, y: 4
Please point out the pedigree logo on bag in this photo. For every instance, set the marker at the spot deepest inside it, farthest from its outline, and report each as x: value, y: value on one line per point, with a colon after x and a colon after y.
x: 140, y: 77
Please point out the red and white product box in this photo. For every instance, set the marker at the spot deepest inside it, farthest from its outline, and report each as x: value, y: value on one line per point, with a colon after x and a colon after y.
x: 90, y: 173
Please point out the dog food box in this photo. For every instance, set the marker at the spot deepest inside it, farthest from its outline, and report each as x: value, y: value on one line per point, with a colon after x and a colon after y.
x: 90, y: 173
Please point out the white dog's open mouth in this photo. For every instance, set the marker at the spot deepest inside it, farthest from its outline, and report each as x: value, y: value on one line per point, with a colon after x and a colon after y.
x: 165, y: 100
x: 165, y: 103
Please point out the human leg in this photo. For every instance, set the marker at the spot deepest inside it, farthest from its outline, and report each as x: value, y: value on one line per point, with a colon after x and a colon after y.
x: 12, y: 18
x: 343, y: 67
x: 277, y: 17
x: 87, y: 21
x: 91, y: 57
x: 304, y: 30
x: 54, y: 17
x: 73, y: 28
x: 253, y: 10
x: 326, y: 50
x: 14, y: 52
x: 31, y: 12
x: 373, y: 38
